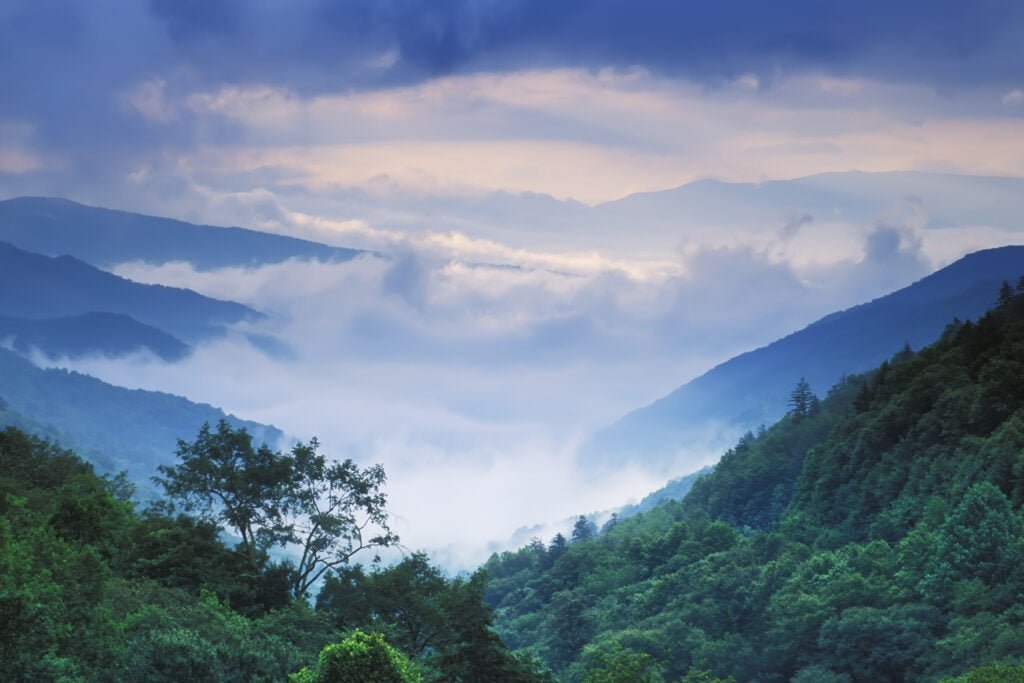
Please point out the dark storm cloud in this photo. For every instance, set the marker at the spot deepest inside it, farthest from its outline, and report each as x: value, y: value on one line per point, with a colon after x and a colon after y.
x: 942, y: 42
x: 66, y: 65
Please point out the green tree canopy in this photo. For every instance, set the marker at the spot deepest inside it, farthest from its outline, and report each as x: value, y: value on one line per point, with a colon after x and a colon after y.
x: 330, y: 510
x: 360, y: 658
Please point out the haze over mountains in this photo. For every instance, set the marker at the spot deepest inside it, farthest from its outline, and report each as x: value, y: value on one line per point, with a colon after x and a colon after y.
x: 498, y: 361
x: 106, y: 237
x: 37, y: 286
x: 109, y: 334
x: 804, y: 212
x: 115, y: 428
x: 753, y: 388
x: 500, y: 269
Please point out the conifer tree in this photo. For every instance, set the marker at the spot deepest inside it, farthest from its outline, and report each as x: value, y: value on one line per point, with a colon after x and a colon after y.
x: 801, y: 399
x: 1005, y: 294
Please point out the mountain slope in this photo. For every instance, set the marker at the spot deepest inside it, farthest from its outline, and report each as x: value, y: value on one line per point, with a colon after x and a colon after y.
x: 36, y: 286
x: 115, y: 428
x: 104, y: 237
x: 753, y: 388
x: 881, y: 538
x: 109, y: 334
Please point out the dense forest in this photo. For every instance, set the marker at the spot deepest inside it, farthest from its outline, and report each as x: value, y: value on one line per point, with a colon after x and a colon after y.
x: 874, y: 535
x: 94, y: 589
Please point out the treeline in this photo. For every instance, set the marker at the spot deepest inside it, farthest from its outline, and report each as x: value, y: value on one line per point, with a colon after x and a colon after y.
x: 874, y: 535
x: 94, y: 589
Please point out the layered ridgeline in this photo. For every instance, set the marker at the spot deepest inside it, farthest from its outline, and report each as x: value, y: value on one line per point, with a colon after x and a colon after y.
x: 114, y: 428
x: 874, y: 535
x: 74, y: 336
x: 753, y: 388
x: 104, y: 237
x: 34, y: 286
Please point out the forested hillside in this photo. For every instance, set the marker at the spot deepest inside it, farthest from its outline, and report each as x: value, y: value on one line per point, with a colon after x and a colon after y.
x: 112, y: 427
x: 94, y: 589
x: 874, y: 535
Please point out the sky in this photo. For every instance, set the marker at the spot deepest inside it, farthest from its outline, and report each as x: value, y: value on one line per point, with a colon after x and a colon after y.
x: 484, y: 149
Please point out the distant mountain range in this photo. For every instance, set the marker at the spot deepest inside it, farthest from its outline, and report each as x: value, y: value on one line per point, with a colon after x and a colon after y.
x: 104, y: 237
x: 33, y: 286
x: 653, y: 224
x: 116, y: 428
x: 108, y: 334
x: 753, y: 388
x: 947, y: 199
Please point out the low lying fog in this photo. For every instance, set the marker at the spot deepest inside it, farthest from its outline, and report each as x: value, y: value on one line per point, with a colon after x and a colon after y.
x: 474, y: 381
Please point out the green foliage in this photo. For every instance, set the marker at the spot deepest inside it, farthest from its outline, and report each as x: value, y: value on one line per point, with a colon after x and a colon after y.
x: 802, y: 401
x: 876, y: 536
x: 442, y: 624
x: 700, y: 676
x: 331, y: 511
x: 360, y: 658
x: 112, y: 427
x: 997, y: 672
x: 616, y: 664
x: 91, y: 589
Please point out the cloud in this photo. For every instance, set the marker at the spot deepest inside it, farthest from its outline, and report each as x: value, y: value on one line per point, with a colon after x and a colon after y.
x: 793, y: 225
x: 474, y: 143
x: 122, y: 89
x: 942, y: 42
x: 591, y: 136
x: 17, y: 155
x: 473, y: 384
x: 1013, y: 97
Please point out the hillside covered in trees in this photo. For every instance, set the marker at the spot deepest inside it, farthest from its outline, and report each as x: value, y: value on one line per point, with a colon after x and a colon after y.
x: 94, y: 589
x: 874, y: 535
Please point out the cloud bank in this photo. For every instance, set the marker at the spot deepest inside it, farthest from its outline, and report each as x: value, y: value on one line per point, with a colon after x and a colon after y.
x: 473, y: 384
x: 487, y: 149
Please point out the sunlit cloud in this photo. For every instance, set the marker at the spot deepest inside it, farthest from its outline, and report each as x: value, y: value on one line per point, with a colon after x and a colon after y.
x: 17, y: 154
x: 1013, y: 97
x: 592, y: 136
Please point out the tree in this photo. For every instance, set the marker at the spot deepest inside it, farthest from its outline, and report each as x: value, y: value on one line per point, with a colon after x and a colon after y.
x: 583, y: 530
x: 1005, y: 294
x: 473, y: 651
x: 555, y: 550
x: 362, y: 657
x: 404, y: 601
x: 330, y: 510
x: 616, y: 664
x: 222, y: 477
x: 337, y: 510
x: 802, y: 400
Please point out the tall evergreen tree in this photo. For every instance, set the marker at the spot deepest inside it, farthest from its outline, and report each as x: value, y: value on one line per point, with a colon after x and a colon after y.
x: 1005, y: 294
x: 801, y: 399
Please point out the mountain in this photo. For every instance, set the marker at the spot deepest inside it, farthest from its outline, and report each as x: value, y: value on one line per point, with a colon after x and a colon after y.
x: 104, y: 237
x: 753, y: 388
x: 676, y: 489
x: 113, y: 427
x: 875, y: 536
x: 37, y: 286
x: 109, y: 334
x: 947, y: 200
x: 651, y: 225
